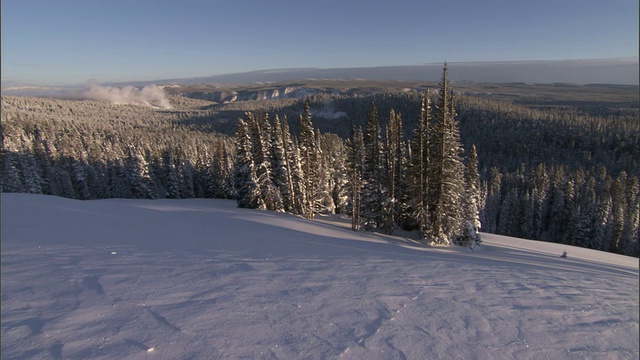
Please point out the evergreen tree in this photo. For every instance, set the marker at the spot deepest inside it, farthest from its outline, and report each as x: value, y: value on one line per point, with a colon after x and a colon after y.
x: 540, y: 197
x: 309, y: 162
x: 299, y: 182
x: 269, y: 195
x: 446, y: 171
x: 244, y: 173
x: 323, y: 201
x: 334, y: 152
x: 219, y: 173
x: 11, y: 176
x: 170, y: 176
x: 419, y: 168
x: 472, y: 200
x: 490, y: 212
x: 185, y: 176
x: 355, y: 159
x: 393, y: 150
x: 279, y: 163
x: 294, y: 169
x: 372, y: 191
x: 630, y: 239
x: 619, y: 200
x: 140, y: 180
x: 31, y: 174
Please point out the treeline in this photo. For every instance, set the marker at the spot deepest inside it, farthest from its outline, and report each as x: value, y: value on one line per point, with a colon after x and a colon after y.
x: 550, y: 173
x: 95, y: 150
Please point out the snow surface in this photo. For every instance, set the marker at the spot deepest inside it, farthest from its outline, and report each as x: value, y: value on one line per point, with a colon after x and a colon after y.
x: 202, y: 279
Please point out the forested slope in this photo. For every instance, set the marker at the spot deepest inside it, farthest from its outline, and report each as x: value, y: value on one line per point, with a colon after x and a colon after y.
x: 560, y: 172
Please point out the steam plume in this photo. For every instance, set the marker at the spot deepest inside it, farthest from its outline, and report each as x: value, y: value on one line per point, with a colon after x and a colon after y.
x: 150, y: 95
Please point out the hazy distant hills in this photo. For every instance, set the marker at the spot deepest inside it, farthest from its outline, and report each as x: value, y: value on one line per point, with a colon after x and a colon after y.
x: 514, y: 78
x: 607, y: 71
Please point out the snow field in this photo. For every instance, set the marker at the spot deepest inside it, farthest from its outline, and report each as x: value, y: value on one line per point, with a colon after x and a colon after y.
x: 140, y: 279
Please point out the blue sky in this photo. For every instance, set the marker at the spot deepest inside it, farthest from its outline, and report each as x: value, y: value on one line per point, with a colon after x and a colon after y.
x: 63, y: 42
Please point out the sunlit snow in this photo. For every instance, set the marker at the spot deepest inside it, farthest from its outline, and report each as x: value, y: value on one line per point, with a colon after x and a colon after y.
x: 202, y: 279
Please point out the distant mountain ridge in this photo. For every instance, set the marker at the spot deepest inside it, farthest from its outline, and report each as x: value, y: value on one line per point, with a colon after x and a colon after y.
x: 594, y: 71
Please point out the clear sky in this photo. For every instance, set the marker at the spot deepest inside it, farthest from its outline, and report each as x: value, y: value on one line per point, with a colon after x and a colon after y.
x: 61, y: 42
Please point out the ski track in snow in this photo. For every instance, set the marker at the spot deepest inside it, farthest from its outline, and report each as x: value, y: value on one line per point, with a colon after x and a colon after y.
x: 201, y: 279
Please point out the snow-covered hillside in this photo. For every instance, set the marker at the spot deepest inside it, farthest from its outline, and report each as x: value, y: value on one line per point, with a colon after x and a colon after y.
x: 202, y: 279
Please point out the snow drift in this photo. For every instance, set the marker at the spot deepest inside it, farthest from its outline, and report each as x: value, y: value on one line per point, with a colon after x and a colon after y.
x: 203, y: 279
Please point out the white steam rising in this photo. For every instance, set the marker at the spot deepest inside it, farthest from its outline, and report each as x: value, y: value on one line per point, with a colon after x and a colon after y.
x: 150, y: 95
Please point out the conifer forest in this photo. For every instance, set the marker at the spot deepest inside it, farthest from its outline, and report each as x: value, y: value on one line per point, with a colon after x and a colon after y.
x: 440, y: 160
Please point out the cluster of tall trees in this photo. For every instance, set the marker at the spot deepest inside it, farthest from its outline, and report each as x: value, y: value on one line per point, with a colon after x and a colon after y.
x: 587, y: 208
x: 277, y: 171
x: 382, y: 181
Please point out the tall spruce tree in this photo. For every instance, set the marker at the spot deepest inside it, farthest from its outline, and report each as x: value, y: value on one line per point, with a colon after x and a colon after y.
x: 323, y: 201
x: 393, y: 157
x: 630, y: 239
x: 471, y: 201
x: 244, y: 173
x: 419, y: 168
x: 279, y: 163
x: 446, y: 171
x: 372, y: 191
x: 309, y: 162
x: 294, y: 169
x: 269, y: 194
x: 355, y: 159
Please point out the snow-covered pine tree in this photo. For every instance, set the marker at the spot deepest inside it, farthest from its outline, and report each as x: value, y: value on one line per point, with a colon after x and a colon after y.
x: 557, y: 199
x: 419, y: 164
x: 372, y: 191
x: 31, y: 173
x: 11, y: 174
x: 219, y: 173
x: 393, y: 157
x: 619, y: 200
x: 294, y: 169
x: 323, y: 201
x: 244, y: 172
x: 446, y: 171
x: 491, y: 209
x: 309, y: 162
x: 299, y: 181
x: 42, y: 154
x: 185, y: 174
x: 335, y: 153
x: 630, y: 240
x: 540, y: 197
x: 602, y: 228
x: 169, y: 175
x: 355, y: 159
x: 472, y: 201
x: 140, y: 181
x: 281, y: 176
x: 269, y: 197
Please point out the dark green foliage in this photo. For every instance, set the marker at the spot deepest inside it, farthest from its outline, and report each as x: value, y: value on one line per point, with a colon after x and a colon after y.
x: 354, y: 168
x: 372, y: 173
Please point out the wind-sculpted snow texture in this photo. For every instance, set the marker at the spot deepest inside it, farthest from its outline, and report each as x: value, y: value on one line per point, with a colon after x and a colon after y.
x: 178, y: 279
